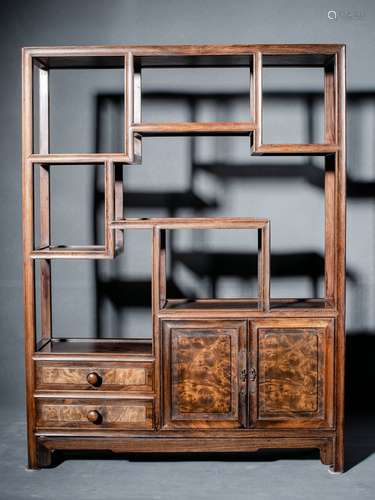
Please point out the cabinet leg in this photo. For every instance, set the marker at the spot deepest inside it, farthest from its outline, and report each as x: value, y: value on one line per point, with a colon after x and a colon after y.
x: 44, y: 456
x: 332, y: 456
x: 39, y: 456
x: 338, y: 455
x: 32, y: 453
x: 327, y: 453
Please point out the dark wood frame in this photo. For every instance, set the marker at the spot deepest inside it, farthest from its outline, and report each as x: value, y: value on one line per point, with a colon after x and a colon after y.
x: 42, y: 440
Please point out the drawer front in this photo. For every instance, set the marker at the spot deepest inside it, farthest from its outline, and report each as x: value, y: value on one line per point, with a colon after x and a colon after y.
x: 129, y: 376
x: 95, y: 414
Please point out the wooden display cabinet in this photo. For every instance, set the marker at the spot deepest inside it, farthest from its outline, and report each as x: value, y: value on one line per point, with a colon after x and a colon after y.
x: 218, y: 374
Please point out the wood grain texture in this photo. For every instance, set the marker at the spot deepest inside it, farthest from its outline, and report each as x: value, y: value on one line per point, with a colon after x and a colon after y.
x: 122, y: 414
x: 201, y: 373
x: 112, y: 376
x: 289, y: 376
x: 294, y: 363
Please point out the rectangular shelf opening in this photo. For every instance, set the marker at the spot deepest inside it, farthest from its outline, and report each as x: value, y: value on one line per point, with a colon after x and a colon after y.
x: 188, y: 256
x: 114, y: 298
x: 65, y: 199
x: 53, y: 80
x: 182, y: 115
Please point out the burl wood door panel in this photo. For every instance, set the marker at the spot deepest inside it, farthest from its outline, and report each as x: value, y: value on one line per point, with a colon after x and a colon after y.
x: 293, y: 362
x: 100, y: 376
x: 132, y: 414
x: 202, y: 362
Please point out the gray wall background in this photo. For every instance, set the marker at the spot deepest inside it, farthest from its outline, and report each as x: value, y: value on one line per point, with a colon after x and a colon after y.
x: 32, y: 23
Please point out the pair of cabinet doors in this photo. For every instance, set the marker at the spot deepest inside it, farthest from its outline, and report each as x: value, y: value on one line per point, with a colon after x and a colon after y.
x: 263, y: 373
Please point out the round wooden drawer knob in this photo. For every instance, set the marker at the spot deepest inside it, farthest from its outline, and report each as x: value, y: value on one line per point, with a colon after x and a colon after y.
x: 94, y: 417
x: 94, y: 379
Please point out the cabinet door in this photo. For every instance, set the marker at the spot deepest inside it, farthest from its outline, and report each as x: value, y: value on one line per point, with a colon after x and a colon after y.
x: 291, y: 362
x: 202, y: 365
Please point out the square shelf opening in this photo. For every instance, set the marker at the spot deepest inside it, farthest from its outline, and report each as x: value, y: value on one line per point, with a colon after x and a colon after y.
x: 86, y: 111
x: 293, y: 105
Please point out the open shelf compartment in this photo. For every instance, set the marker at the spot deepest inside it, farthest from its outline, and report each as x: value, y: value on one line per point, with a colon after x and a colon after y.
x: 113, y: 208
x: 159, y: 228
x: 66, y: 346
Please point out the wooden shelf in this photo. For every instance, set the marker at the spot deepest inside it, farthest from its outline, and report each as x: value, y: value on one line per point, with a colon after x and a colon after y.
x: 97, y: 346
x: 74, y: 158
x: 149, y: 56
x: 191, y: 223
x: 248, y: 307
x: 294, y: 149
x: 71, y: 252
x: 193, y: 128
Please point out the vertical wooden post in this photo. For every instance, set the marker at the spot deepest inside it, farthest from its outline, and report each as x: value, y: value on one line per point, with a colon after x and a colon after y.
x: 119, y: 205
x: 109, y: 207
x: 256, y: 99
x: 159, y: 268
x: 163, y: 269
x: 330, y: 137
x: 264, y: 267
x: 28, y: 245
x: 44, y: 193
x: 340, y: 231
x: 129, y: 105
x: 137, y: 109
x: 158, y: 284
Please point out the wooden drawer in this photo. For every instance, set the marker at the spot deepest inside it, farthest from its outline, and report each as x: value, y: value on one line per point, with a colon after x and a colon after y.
x: 112, y: 376
x: 95, y: 413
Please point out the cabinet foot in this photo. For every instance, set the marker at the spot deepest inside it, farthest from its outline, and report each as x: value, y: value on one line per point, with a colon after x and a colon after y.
x: 329, y: 456
x: 40, y: 458
x: 44, y: 456
x: 326, y: 453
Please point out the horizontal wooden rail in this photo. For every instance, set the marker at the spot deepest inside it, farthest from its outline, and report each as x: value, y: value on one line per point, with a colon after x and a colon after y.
x: 294, y: 149
x: 73, y: 158
x: 189, y: 128
x: 71, y: 252
x: 182, y: 55
x: 192, y: 223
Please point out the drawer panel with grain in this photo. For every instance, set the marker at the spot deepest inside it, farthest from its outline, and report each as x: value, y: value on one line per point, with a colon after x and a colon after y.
x: 127, y: 414
x: 112, y: 376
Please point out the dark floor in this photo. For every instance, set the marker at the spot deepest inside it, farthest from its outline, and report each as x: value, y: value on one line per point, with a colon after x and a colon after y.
x: 276, y: 476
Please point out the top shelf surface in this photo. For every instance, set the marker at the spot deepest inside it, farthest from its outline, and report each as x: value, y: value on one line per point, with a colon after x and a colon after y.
x: 149, y: 56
